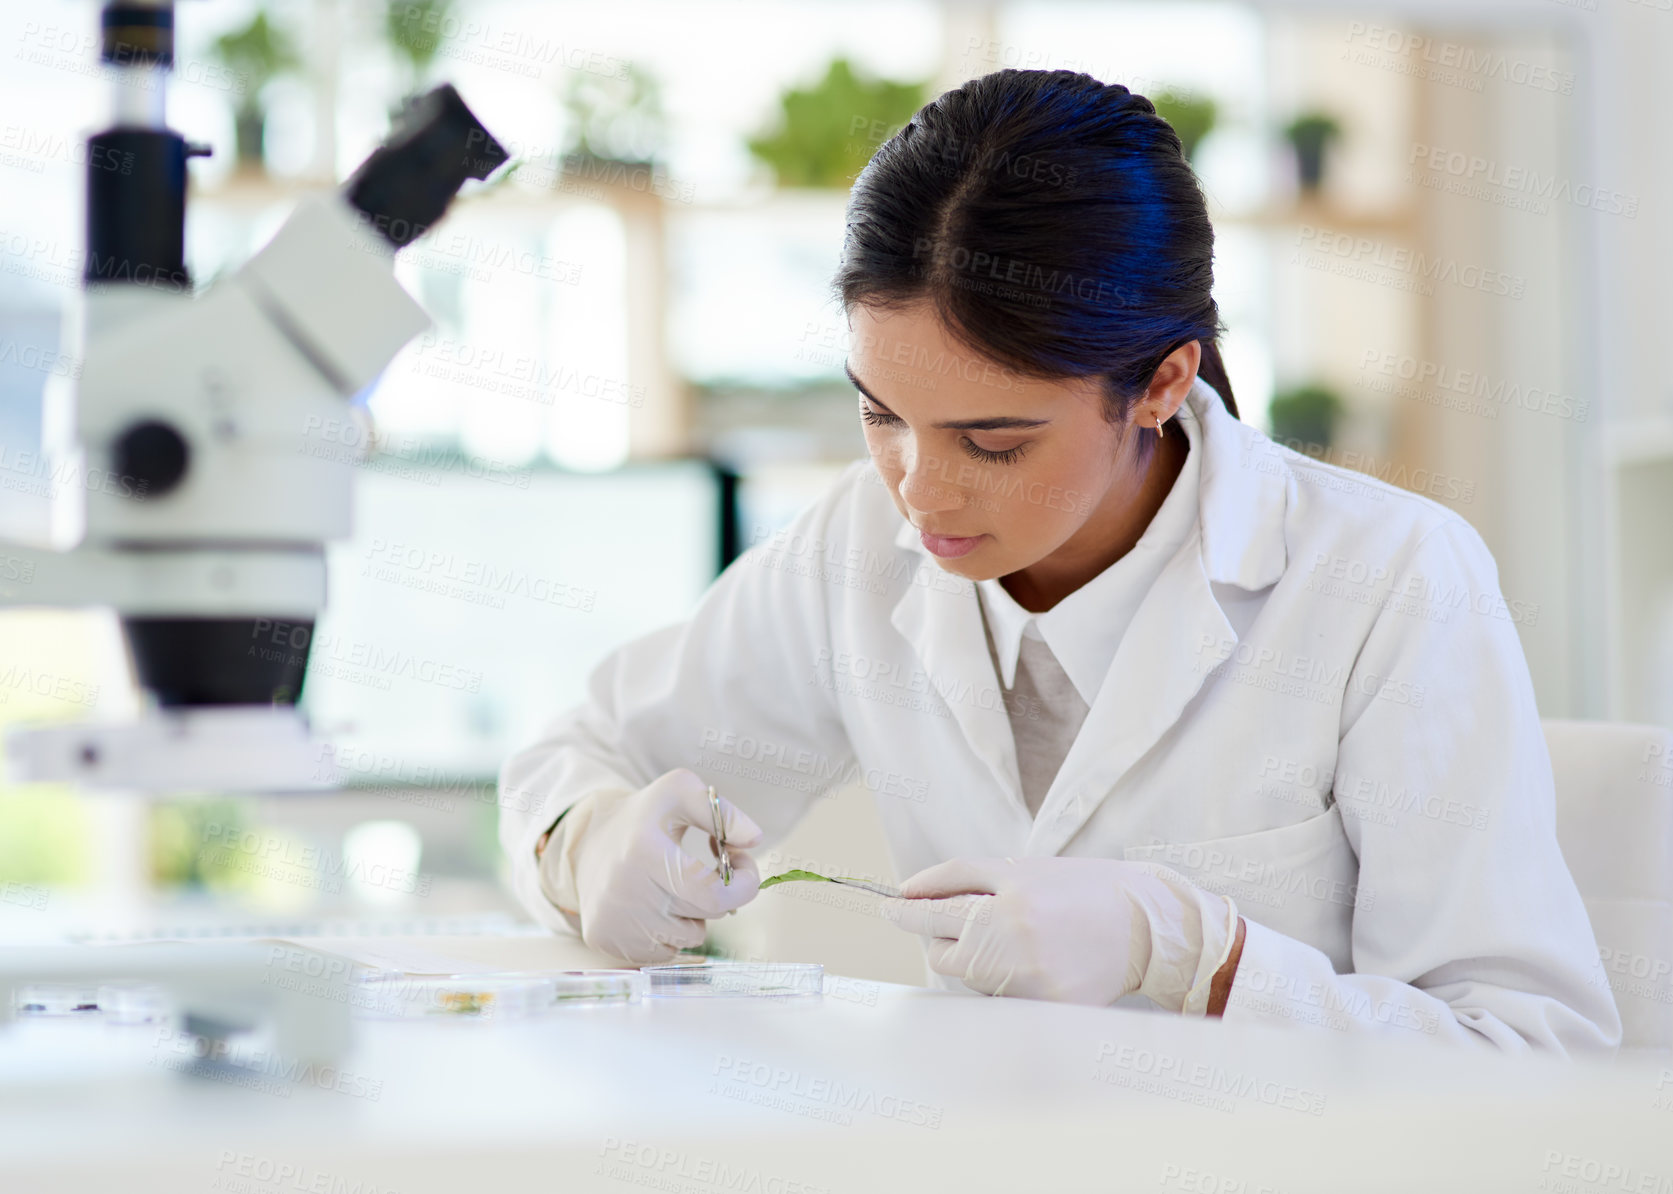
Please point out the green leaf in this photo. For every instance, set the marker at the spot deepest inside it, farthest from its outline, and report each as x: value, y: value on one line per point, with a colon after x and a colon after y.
x: 791, y: 877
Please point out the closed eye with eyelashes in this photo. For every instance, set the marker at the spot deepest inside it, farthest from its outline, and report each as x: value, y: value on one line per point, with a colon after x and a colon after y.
x: 880, y: 418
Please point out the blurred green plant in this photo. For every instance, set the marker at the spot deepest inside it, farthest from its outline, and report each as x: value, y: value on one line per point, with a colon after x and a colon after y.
x: 43, y: 835
x: 182, y: 846
x: 1305, y: 417
x: 828, y: 132
x: 414, y: 29
x: 256, y: 54
x: 1192, y: 117
x: 1311, y: 134
x: 47, y: 833
x: 616, y: 118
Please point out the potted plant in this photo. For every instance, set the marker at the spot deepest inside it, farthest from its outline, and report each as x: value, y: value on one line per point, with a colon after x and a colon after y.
x: 1305, y: 417
x: 1310, y: 134
x: 1192, y: 117
x: 256, y: 55
x: 826, y: 133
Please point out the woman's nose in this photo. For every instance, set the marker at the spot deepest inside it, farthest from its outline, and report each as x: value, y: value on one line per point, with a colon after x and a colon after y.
x: 924, y: 487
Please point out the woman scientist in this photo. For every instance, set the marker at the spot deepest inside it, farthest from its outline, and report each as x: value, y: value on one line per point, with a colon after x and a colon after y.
x: 1154, y: 710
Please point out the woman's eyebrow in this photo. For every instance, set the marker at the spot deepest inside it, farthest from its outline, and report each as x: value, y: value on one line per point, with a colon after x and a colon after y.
x: 994, y: 423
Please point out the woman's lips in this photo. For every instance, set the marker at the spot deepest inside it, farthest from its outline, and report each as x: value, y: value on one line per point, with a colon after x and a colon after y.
x: 950, y: 547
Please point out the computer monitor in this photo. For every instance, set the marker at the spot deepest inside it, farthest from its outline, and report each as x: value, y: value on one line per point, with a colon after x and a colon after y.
x: 471, y: 605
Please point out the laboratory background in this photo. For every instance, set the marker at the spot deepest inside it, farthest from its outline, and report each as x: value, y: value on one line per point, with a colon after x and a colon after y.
x: 1443, y: 243
x: 609, y: 362
x: 1442, y: 252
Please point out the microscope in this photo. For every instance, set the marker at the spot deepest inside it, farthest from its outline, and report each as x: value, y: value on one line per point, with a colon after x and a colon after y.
x: 224, y: 428
x: 216, y: 425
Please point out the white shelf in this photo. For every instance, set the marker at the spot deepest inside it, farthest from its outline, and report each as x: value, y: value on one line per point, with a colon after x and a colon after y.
x: 1638, y: 441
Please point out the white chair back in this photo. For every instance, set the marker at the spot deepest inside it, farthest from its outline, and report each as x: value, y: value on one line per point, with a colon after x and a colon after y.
x: 1615, y: 826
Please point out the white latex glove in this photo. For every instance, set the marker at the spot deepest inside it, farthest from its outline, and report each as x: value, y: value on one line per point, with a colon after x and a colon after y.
x: 640, y: 895
x: 1076, y: 930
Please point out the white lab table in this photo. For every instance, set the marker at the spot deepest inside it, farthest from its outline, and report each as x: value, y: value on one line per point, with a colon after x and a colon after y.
x: 870, y: 1087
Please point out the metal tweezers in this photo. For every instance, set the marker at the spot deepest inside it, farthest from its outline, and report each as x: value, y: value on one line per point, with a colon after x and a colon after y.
x: 882, y: 889
x: 720, y: 837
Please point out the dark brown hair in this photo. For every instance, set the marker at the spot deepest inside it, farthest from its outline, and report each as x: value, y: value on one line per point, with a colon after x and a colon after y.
x: 1054, y: 224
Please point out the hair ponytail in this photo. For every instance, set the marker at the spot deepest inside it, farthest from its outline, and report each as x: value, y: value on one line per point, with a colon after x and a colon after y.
x: 1213, y: 371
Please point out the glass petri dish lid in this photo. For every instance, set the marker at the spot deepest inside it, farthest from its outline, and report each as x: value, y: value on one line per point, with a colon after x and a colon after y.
x: 598, y: 986
x: 735, y: 979
x: 135, y: 1003
x: 507, y: 995
x: 487, y: 997
x: 573, y: 988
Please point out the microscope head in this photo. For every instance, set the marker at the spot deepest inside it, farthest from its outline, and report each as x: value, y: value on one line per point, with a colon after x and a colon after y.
x: 216, y: 421
x: 250, y: 462
x: 195, y: 518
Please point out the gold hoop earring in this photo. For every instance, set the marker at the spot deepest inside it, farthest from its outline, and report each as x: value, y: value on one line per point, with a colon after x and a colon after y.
x: 1159, y: 431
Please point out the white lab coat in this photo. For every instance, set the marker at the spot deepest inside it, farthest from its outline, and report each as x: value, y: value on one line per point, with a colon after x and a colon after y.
x: 1321, y: 710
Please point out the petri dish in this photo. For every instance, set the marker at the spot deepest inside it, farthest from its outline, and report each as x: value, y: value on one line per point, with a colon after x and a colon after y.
x: 598, y: 986
x: 135, y: 1003
x: 508, y: 995
x: 580, y: 987
x: 56, y: 999
x: 733, y: 979
x: 411, y: 997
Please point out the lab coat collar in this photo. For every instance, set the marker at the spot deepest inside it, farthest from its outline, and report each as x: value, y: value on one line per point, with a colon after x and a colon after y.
x: 1007, y: 622
x: 1244, y: 494
x: 1176, y: 637
x: 940, y: 617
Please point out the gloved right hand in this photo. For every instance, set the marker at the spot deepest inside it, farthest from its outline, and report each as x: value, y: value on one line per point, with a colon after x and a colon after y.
x: 642, y: 897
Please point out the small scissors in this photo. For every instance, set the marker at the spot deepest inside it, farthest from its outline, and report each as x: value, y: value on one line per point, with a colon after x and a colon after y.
x: 720, y: 837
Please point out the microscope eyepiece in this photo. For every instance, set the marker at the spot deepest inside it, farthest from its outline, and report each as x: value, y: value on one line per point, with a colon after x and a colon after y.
x: 406, y: 185
x: 137, y: 34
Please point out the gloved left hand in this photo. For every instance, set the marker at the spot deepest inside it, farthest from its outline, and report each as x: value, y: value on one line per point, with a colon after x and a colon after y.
x: 1076, y: 930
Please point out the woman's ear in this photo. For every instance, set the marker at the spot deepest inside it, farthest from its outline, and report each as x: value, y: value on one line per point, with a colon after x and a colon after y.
x: 1169, y: 385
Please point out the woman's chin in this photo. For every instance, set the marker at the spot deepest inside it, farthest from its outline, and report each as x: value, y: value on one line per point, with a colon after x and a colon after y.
x: 975, y: 566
